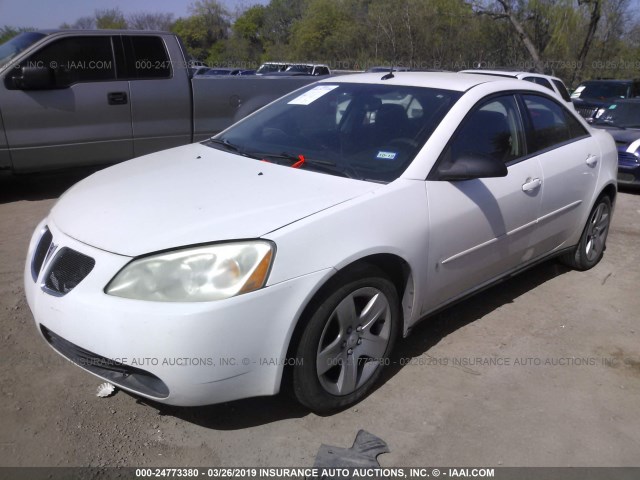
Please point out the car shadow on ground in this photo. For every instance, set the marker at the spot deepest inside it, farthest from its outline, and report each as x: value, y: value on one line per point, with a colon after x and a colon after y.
x: 263, y: 410
x: 40, y: 186
x: 629, y: 189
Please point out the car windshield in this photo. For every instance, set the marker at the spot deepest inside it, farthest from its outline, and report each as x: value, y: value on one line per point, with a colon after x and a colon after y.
x: 623, y: 115
x: 362, y: 131
x: 601, y: 90
x: 17, y: 44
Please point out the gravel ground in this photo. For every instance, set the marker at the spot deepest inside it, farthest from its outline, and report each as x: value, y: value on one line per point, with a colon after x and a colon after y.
x: 541, y: 370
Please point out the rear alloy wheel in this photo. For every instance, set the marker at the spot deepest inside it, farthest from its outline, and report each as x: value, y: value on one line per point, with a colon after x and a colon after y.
x: 594, y: 238
x: 346, y: 342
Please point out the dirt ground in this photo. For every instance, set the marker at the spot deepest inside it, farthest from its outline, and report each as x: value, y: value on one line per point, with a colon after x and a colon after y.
x: 542, y: 370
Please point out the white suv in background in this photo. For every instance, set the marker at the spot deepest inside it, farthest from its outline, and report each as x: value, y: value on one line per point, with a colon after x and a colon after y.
x: 552, y: 83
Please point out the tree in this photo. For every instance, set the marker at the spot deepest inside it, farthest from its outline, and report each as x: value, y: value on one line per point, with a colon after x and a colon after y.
x: 279, y: 17
x: 83, y: 23
x: 7, y: 32
x: 595, y: 7
x: 506, y: 10
x: 150, y: 21
x: 111, y: 18
x: 214, y: 17
x: 208, y: 24
x: 311, y: 35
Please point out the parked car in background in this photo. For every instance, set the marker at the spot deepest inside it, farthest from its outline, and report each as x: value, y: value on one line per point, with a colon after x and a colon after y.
x: 93, y: 97
x: 311, y: 235
x: 622, y: 120
x: 197, y: 70
x: 593, y: 97
x: 300, y: 69
x: 217, y: 71
x: 554, y: 84
x: 272, y: 67
x: 308, y: 69
x: 388, y: 69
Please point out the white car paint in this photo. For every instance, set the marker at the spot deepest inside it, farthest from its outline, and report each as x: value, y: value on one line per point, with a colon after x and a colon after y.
x: 198, y: 194
x: 453, y: 237
x: 528, y: 76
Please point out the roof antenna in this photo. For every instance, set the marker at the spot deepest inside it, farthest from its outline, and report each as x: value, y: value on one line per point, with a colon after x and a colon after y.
x: 388, y: 75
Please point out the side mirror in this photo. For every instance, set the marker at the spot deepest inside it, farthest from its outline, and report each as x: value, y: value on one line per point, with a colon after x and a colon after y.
x: 35, y: 78
x: 473, y: 166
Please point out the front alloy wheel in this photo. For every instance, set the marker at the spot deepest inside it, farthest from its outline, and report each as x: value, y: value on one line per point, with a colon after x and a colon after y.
x: 347, y: 341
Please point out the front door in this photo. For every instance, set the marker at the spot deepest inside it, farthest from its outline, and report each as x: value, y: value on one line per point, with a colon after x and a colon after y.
x: 479, y: 229
x: 83, y: 119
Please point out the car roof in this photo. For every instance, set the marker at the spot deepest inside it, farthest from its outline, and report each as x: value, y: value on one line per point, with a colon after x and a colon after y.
x: 443, y: 80
x: 53, y: 31
x: 509, y: 73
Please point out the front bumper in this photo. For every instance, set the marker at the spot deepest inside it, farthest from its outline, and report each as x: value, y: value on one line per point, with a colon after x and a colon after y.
x: 628, y: 168
x: 200, y: 353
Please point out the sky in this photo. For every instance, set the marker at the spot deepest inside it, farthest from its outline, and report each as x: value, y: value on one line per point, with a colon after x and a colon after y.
x: 52, y: 13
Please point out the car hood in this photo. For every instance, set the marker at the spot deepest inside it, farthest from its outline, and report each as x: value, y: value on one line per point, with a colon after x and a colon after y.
x: 592, y: 102
x: 622, y: 135
x: 191, y: 195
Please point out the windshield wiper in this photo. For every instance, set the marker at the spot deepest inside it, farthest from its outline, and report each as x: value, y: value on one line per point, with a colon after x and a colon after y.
x: 225, y: 143
x: 299, y: 161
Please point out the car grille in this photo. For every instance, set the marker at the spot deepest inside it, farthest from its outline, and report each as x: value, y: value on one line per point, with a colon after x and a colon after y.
x: 67, y: 270
x: 40, y: 254
x: 118, y: 373
x: 587, y: 112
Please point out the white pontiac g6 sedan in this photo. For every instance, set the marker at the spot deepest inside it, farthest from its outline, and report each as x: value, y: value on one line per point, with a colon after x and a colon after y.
x: 296, y: 246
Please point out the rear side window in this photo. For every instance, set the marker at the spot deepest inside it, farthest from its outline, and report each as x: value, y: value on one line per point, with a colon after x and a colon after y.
x: 540, y: 81
x: 147, y: 57
x: 76, y: 59
x: 562, y: 89
x: 550, y: 124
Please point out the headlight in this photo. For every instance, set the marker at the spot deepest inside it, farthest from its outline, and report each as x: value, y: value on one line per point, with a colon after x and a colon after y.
x: 199, y: 274
x: 600, y: 112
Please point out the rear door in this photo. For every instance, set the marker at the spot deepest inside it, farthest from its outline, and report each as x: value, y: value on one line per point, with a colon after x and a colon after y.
x: 84, y: 118
x: 161, y: 104
x: 570, y: 161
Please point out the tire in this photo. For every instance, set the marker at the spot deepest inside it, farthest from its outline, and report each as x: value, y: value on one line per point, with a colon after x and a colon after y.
x: 347, y: 340
x: 592, y: 243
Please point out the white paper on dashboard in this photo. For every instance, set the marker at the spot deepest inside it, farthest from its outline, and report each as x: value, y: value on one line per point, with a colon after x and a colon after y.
x: 312, y: 95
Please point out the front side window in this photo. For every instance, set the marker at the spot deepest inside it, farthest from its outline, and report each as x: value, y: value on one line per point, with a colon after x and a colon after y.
x: 75, y: 60
x: 550, y: 124
x: 491, y: 130
x: 368, y: 132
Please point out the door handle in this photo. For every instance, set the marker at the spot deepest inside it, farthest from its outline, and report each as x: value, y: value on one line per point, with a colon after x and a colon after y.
x: 117, y: 98
x: 592, y: 160
x: 531, y: 184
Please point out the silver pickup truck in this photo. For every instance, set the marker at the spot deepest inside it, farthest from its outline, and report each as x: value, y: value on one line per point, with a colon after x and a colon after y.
x: 71, y: 98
